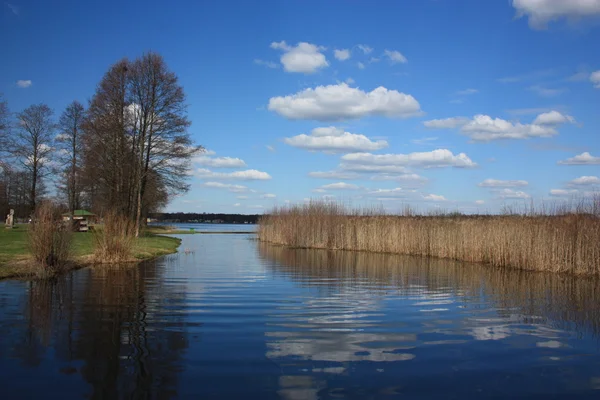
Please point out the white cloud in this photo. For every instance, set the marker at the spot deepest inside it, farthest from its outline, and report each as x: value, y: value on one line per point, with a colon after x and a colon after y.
x: 360, y: 65
x: 268, y: 64
x: 328, y: 197
x: 500, y: 183
x: 529, y: 111
x: 374, y: 60
x: 479, y: 202
x: 395, y: 56
x: 237, y: 205
x: 434, y: 197
x: 342, y: 55
x: 485, y: 128
x: 256, y: 207
x: 595, y: 79
x: 268, y: 196
x: 431, y: 159
x: 540, y: 12
x: 340, y: 186
x: 585, y: 181
x: 365, y: 168
x: 319, y: 190
x: 242, y: 197
x: 401, y: 177
x: 467, y: 92
x: 364, y: 48
x: 512, y: 194
x: 338, y: 175
x: 563, y: 192
x: 226, y: 186
x: 553, y: 118
x: 219, y: 162
x: 24, y: 83
x: 581, y: 159
x: 424, y: 141
x: 335, y: 140
x: 14, y: 9
x: 303, y: 58
x: 396, y: 192
x: 247, y: 175
x: 270, y: 148
x: 349, y: 81
x: 446, y: 123
x: 336, y: 102
x: 544, y: 91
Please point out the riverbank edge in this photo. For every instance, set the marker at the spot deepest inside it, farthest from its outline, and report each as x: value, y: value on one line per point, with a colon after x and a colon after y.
x: 23, y: 269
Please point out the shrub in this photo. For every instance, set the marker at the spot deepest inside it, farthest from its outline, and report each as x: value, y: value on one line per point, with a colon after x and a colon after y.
x: 114, y: 241
x: 49, y: 238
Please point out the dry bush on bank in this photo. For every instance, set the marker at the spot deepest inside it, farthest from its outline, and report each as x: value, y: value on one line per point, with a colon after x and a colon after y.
x: 115, y: 240
x: 559, y: 239
x: 49, y: 239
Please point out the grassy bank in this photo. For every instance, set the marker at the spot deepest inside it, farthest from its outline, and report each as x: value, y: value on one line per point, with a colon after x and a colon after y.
x: 558, y: 242
x: 15, y: 258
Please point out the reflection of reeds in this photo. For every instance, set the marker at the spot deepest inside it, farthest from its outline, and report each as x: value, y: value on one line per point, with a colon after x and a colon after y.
x: 563, y: 242
x: 566, y: 300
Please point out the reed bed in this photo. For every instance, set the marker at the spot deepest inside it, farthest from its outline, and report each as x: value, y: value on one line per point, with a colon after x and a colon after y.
x: 559, y: 239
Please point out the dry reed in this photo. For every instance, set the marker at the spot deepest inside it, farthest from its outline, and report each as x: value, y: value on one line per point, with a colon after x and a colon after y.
x: 115, y: 240
x: 559, y: 239
x: 49, y: 239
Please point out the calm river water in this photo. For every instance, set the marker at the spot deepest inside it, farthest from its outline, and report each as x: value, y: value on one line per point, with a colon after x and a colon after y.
x: 233, y: 318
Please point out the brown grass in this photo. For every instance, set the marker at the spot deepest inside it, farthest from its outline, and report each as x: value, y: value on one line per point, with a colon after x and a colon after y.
x: 115, y: 241
x: 559, y: 239
x: 49, y: 239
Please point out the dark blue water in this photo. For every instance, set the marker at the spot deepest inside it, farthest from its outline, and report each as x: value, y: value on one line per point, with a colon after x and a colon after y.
x: 237, y: 319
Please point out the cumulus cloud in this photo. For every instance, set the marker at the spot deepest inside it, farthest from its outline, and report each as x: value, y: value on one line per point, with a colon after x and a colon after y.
x: 467, y: 92
x: 338, y: 175
x: 395, y: 56
x: 446, y: 123
x: 545, y: 91
x: 227, y: 186
x: 595, y: 79
x: 585, y: 181
x: 402, y: 177
x: 540, y: 12
x: 364, y: 48
x: 563, y: 192
x: 335, y: 140
x: 484, y: 128
x: 360, y: 65
x: 499, y: 183
x: 366, y: 168
x: 219, y: 162
x: 268, y: 64
x: 396, y: 192
x: 434, y: 197
x: 24, y: 83
x: 553, y: 118
x: 342, y: 54
x: 304, y: 58
x: 337, y: 102
x: 581, y: 159
x: 247, y: 175
x: 340, y: 186
x: 512, y: 194
x: 431, y: 159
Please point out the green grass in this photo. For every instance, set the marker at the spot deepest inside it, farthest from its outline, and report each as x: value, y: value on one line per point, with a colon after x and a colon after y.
x: 14, y: 248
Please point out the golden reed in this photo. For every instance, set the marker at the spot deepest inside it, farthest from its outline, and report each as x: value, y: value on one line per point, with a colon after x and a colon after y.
x: 562, y: 239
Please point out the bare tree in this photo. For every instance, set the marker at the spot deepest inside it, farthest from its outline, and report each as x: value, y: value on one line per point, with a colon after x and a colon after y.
x: 159, y: 129
x: 70, y: 140
x: 32, y: 145
x: 4, y: 124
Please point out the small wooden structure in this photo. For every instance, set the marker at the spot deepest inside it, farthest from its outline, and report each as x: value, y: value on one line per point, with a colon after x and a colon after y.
x: 81, y: 220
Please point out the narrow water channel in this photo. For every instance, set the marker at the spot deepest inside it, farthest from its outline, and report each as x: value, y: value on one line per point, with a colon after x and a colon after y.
x: 233, y: 318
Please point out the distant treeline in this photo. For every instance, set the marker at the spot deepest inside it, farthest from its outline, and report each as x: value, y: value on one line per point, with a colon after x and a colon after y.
x: 205, y: 217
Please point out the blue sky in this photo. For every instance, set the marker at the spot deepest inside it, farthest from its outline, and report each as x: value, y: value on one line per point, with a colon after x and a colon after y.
x: 464, y: 104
